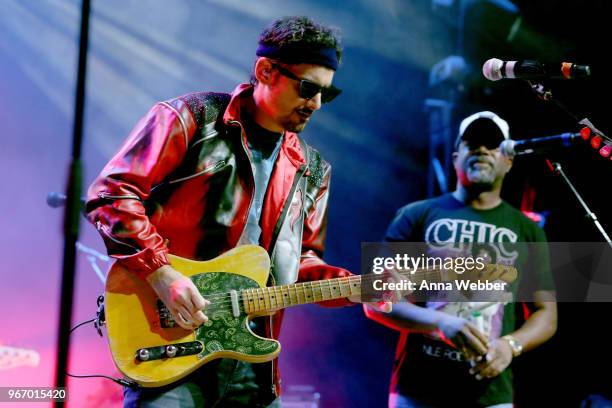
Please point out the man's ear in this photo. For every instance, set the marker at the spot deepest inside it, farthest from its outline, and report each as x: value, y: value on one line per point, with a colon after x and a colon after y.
x: 454, y: 156
x: 263, y: 70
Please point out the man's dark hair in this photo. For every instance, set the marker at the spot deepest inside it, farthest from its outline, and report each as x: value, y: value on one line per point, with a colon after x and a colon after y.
x: 302, y: 31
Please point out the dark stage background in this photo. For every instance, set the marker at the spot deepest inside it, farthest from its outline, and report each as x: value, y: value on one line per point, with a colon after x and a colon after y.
x: 376, y: 135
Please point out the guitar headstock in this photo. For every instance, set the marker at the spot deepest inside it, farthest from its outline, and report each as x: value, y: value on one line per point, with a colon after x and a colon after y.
x: 11, y: 357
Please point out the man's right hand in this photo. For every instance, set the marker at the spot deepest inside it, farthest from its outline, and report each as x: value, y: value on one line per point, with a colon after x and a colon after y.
x: 472, y: 343
x: 180, y: 296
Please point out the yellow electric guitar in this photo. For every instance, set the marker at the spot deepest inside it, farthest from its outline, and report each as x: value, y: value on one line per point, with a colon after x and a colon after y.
x: 150, y: 348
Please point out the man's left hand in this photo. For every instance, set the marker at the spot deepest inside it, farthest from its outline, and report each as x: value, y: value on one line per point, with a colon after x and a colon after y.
x: 497, y: 359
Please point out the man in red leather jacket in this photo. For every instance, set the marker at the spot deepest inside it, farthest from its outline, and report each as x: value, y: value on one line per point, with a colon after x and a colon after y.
x: 205, y: 172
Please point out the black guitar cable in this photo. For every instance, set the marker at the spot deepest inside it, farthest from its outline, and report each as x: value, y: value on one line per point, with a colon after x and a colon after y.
x: 98, y: 321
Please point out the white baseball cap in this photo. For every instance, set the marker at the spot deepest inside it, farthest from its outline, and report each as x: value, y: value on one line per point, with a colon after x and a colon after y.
x: 487, y: 126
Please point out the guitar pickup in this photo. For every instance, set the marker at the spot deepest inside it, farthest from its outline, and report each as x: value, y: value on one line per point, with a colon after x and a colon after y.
x: 169, y: 351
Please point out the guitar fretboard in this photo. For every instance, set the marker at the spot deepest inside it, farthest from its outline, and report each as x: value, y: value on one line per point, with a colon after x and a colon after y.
x: 279, y: 297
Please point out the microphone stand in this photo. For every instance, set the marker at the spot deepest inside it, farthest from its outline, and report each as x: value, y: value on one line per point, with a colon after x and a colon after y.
x: 555, y: 167
x: 72, y: 213
x: 545, y: 93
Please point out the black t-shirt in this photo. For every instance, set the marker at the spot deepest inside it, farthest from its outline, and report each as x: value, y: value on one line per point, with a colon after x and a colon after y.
x: 428, y: 367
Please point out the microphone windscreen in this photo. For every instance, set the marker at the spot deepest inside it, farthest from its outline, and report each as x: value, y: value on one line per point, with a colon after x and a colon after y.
x: 507, y: 148
x: 56, y: 200
x: 492, y: 69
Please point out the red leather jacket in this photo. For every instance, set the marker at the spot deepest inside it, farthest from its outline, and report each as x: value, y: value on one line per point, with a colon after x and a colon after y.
x: 183, y: 183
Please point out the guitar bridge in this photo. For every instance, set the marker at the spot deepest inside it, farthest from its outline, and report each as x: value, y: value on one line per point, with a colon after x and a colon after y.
x: 169, y: 351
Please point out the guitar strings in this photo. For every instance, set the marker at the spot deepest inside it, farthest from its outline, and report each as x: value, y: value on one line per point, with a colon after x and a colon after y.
x: 224, y: 298
x: 220, y: 299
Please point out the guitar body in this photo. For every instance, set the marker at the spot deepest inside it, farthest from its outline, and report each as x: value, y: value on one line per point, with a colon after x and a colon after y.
x: 137, y: 320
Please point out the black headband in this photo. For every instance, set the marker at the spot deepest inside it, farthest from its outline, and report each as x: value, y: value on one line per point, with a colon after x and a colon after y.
x: 300, y: 54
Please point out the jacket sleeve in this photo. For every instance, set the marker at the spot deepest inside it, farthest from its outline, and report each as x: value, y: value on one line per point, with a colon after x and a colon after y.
x: 154, y: 148
x: 312, y: 266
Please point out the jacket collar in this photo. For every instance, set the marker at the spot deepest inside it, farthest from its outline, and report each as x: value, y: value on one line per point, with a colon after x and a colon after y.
x: 290, y: 146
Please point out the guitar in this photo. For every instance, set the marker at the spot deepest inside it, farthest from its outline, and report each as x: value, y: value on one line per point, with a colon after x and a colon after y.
x: 11, y: 357
x: 151, y: 349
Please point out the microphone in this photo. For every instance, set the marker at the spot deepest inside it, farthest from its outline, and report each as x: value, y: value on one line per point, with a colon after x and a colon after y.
x: 56, y: 199
x: 510, y: 148
x: 496, y: 69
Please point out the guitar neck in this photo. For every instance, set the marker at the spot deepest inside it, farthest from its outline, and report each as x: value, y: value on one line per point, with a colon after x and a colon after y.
x: 279, y: 297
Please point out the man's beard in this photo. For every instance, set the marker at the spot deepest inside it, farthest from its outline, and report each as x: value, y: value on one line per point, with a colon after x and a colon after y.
x: 297, y: 126
x: 480, y: 178
x: 294, y: 127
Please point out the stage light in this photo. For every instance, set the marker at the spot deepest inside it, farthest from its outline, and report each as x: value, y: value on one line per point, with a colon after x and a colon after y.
x: 585, y: 132
x: 606, y: 150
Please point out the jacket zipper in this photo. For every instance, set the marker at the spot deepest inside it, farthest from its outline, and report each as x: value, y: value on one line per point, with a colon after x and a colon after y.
x: 104, y: 229
x: 209, y: 169
x: 108, y: 196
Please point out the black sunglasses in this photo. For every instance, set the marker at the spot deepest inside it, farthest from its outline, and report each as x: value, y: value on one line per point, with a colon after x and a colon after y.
x: 491, y: 143
x: 309, y: 89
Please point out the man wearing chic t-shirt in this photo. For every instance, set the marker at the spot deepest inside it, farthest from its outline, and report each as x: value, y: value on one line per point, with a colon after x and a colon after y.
x: 453, y: 354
